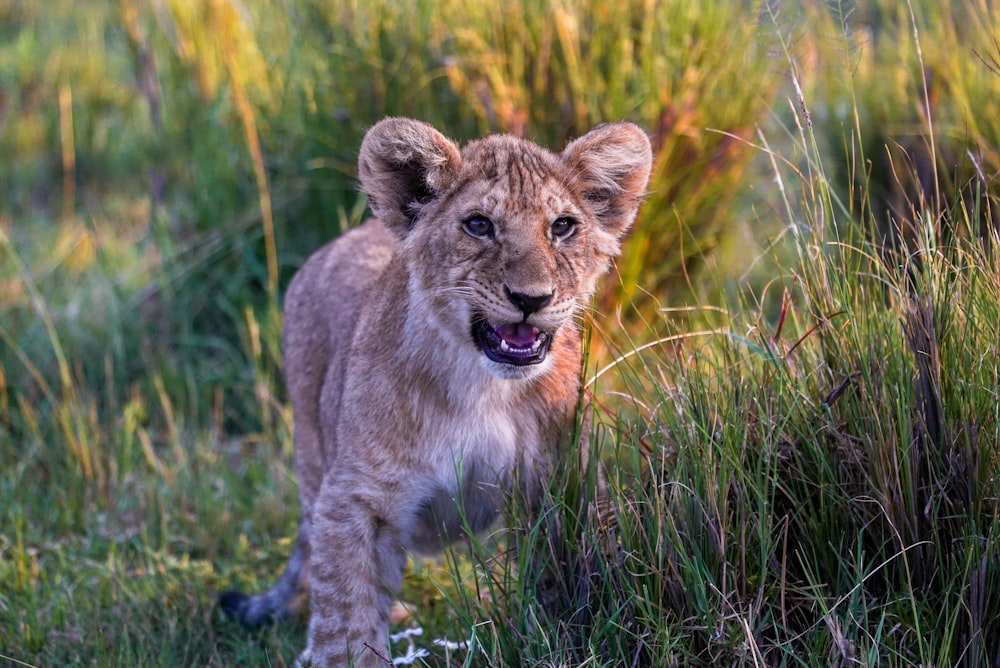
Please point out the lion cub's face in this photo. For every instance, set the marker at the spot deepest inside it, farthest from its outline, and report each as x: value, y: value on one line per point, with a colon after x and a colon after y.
x: 503, y: 239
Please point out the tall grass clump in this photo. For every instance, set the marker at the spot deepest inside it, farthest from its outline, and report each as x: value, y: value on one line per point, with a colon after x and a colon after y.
x: 815, y: 484
x: 817, y: 489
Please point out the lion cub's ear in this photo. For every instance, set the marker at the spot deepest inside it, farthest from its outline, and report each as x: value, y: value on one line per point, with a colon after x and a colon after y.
x: 610, y: 167
x: 403, y: 163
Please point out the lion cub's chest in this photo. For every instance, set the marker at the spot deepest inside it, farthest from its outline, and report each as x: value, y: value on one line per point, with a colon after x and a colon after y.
x: 473, y: 457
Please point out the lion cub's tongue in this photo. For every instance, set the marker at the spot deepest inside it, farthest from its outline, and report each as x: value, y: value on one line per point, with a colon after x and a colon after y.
x: 520, y: 335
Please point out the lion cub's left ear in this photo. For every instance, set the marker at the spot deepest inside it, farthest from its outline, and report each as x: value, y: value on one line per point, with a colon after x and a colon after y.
x: 403, y: 163
x: 610, y: 167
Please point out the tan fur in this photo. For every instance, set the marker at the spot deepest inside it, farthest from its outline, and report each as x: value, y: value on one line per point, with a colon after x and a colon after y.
x: 400, y: 417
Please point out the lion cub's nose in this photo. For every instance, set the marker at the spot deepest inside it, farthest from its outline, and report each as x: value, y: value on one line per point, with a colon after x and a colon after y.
x: 527, y: 304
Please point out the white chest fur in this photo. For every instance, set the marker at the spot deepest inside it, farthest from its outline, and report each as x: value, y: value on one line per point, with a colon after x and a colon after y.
x: 473, y: 454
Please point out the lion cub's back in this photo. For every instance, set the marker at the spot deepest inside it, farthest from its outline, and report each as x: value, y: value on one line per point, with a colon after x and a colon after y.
x: 335, y: 279
x: 322, y: 307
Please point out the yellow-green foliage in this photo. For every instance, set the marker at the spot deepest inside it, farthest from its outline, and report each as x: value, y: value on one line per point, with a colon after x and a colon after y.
x: 911, y: 93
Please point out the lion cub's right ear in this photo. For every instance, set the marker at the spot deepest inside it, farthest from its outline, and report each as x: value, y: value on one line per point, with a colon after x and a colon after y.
x: 402, y: 165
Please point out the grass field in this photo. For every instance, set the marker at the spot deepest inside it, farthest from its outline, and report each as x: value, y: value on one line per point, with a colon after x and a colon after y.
x: 796, y: 363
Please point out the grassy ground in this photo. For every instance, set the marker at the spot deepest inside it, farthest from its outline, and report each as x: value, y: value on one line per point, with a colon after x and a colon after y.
x: 798, y: 402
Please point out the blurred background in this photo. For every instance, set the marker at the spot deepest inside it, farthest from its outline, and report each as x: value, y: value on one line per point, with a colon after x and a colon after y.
x: 167, y: 165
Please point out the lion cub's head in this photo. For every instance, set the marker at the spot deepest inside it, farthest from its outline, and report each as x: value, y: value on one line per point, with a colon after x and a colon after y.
x: 503, y: 240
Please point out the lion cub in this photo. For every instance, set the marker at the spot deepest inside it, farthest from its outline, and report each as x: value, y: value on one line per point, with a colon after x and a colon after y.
x: 433, y: 352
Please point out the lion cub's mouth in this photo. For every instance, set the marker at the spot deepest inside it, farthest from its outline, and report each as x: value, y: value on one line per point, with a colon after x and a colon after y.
x: 519, y: 344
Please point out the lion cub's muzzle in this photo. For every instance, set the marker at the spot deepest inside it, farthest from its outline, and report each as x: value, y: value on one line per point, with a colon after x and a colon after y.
x: 515, y: 343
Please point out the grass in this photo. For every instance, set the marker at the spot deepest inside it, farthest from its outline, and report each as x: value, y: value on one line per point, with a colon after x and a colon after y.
x: 800, y: 412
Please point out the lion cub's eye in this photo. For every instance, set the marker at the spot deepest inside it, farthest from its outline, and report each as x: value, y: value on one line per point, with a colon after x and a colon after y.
x: 562, y: 228
x: 479, y: 227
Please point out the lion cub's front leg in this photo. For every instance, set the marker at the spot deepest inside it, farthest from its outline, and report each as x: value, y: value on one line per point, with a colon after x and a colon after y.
x: 358, y: 559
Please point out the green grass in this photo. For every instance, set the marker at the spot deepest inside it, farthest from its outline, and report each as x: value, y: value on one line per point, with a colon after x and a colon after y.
x: 800, y: 412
